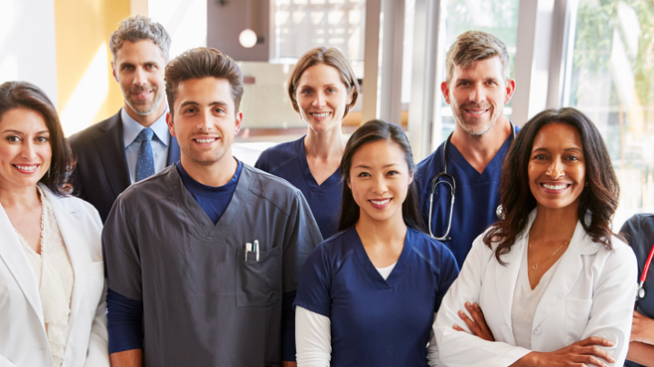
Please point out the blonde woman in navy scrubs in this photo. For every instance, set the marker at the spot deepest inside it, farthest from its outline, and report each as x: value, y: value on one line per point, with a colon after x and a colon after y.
x: 367, y: 296
x: 322, y: 89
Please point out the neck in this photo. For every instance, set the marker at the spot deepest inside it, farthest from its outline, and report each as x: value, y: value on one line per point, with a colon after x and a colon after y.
x: 555, y: 224
x: 214, y: 174
x: 325, y: 145
x: 479, y: 150
x: 148, y: 119
x: 382, y: 233
x: 25, y: 197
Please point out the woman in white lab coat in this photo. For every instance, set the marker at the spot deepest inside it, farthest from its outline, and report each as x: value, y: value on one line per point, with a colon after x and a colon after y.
x: 52, y: 310
x: 554, y: 284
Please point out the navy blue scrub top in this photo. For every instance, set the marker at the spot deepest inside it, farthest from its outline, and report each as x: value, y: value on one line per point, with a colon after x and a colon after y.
x: 639, y: 232
x: 377, y: 322
x: 289, y: 161
x: 476, y: 200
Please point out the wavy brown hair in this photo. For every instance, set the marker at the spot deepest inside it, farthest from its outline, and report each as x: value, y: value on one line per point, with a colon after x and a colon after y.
x: 599, y: 197
x: 371, y: 132
x: 26, y: 95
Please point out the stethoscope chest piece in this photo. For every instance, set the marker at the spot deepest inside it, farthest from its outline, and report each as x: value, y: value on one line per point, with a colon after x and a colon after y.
x: 641, y: 292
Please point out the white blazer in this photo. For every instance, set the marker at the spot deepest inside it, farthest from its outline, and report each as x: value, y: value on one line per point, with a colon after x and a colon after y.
x: 592, y: 293
x: 23, y: 341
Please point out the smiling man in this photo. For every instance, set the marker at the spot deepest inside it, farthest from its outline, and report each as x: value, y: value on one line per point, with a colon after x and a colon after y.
x: 477, y: 87
x: 134, y: 143
x: 203, y: 257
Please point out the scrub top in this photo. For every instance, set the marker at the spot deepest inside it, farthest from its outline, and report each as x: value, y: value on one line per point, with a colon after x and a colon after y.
x: 377, y: 322
x: 206, y: 301
x: 639, y: 232
x: 289, y: 161
x: 477, y: 196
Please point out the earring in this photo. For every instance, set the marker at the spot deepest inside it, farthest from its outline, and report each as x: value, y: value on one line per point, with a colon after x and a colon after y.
x: 586, y: 184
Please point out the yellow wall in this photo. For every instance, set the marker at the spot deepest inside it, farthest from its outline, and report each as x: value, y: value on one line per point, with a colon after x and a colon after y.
x: 82, y: 29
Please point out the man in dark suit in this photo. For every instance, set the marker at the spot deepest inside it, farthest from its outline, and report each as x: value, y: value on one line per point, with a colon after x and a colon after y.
x: 135, y: 142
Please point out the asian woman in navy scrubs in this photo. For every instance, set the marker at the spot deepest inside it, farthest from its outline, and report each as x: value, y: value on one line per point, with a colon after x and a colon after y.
x: 639, y: 232
x: 322, y: 89
x: 367, y: 296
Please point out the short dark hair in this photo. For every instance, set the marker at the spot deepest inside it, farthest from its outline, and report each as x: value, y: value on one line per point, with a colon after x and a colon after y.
x: 203, y: 62
x: 599, y: 198
x: 370, y: 132
x: 328, y: 56
x: 26, y: 95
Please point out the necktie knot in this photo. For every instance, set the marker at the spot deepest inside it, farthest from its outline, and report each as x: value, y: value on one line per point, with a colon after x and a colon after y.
x: 145, y: 135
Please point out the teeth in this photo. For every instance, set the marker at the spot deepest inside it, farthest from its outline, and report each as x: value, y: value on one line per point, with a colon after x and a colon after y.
x: 324, y: 114
x: 204, y: 140
x: 476, y: 112
x: 555, y: 187
x: 380, y: 202
x: 26, y: 168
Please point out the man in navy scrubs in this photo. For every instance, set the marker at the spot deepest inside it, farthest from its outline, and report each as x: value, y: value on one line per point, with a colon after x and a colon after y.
x: 477, y: 87
x: 203, y: 257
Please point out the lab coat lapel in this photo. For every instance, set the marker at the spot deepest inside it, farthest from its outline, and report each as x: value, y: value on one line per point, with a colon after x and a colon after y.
x: 13, y: 255
x: 567, y: 273
x: 71, y: 232
x: 506, y: 276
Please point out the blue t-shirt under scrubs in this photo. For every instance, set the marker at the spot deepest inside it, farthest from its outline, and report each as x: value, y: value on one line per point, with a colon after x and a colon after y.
x: 377, y: 322
x: 289, y: 161
x: 639, y: 232
x: 477, y: 196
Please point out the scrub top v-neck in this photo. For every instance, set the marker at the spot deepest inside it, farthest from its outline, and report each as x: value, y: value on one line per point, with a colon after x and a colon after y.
x: 289, y: 161
x: 477, y: 196
x: 377, y: 322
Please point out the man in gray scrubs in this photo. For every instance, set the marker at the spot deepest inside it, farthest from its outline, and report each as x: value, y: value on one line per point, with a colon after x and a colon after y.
x: 203, y: 257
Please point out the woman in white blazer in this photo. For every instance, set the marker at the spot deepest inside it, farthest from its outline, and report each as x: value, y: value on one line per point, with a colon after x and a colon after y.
x: 52, y: 310
x: 548, y: 284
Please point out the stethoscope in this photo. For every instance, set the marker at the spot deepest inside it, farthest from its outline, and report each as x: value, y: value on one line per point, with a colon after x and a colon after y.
x: 641, y: 284
x: 435, y: 182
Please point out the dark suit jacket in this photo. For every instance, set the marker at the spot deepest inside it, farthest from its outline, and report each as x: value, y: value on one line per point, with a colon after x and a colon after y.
x: 101, y: 173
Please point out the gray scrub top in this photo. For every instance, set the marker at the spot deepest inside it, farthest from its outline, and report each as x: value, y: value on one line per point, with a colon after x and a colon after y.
x: 204, y: 304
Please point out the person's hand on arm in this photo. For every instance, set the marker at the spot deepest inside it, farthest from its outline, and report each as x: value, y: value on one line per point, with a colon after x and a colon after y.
x: 128, y: 358
x: 477, y: 324
x: 641, y: 346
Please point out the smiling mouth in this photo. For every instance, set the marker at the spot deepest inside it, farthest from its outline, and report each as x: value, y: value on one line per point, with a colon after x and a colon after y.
x: 476, y: 112
x: 205, y: 141
x: 380, y: 203
x: 28, y: 169
x: 320, y: 114
x: 555, y: 187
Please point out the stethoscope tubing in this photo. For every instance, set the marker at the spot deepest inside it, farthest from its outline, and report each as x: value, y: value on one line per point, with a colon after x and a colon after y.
x: 643, y: 276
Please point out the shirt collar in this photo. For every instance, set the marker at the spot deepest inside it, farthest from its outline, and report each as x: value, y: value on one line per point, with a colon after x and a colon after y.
x: 131, y: 128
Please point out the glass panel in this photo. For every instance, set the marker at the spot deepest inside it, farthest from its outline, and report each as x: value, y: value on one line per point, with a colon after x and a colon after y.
x: 497, y: 17
x: 612, y: 82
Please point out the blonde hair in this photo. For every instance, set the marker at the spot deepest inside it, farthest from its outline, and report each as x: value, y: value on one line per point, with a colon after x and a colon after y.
x: 473, y: 46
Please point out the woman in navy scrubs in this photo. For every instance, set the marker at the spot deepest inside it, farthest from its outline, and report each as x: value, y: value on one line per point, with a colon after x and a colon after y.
x: 367, y: 296
x: 322, y: 89
x: 639, y: 232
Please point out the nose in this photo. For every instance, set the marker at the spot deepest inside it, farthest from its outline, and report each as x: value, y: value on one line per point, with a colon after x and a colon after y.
x: 478, y: 93
x: 140, y: 77
x: 379, y: 185
x: 555, y: 170
x: 205, y: 122
x: 28, y: 151
x: 319, y: 101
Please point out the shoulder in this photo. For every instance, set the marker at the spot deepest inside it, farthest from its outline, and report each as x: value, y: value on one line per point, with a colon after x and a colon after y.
x: 429, y: 166
x: 334, y: 250
x: 278, y: 154
x: 274, y: 189
x: 638, y: 225
x: 84, y: 137
x: 81, y: 209
x: 147, y: 192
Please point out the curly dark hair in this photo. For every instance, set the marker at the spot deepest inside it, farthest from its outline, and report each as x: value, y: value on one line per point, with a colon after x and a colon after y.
x: 371, y: 132
x: 29, y: 96
x: 599, y: 197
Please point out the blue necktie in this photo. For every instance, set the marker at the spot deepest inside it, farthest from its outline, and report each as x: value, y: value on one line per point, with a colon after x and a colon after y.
x: 145, y: 158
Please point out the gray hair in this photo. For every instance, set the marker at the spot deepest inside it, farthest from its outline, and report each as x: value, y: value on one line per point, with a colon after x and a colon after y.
x: 473, y: 46
x: 138, y: 28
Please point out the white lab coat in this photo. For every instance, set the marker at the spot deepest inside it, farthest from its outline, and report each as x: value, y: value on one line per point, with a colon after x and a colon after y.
x: 23, y: 341
x: 592, y: 293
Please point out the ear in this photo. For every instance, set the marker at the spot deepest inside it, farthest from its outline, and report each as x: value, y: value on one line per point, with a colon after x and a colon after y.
x: 349, y: 183
x: 239, y: 120
x: 445, y: 88
x: 411, y: 175
x: 113, y: 70
x: 170, y: 123
x: 510, y: 88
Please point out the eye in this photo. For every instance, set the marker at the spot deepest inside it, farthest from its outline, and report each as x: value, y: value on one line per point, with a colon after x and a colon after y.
x: 42, y: 139
x: 539, y: 156
x: 190, y: 110
x: 219, y: 110
x: 392, y: 173
x: 363, y: 174
x: 306, y: 92
x: 127, y: 67
x: 331, y: 90
x: 573, y: 158
x: 464, y: 83
x: 12, y: 138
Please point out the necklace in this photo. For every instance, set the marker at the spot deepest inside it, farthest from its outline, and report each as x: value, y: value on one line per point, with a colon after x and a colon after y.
x: 535, y: 266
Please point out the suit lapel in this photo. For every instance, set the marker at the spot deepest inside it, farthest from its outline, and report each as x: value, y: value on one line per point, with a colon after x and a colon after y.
x: 71, y: 232
x: 566, y: 275
x: 13, y: 255
x: 173, y: 151
x: 111, y: 150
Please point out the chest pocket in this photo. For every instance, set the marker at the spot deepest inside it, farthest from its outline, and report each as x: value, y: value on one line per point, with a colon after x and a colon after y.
x: 258, y: 283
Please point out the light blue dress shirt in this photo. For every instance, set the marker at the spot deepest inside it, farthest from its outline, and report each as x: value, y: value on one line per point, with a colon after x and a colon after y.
x: 160, y: 142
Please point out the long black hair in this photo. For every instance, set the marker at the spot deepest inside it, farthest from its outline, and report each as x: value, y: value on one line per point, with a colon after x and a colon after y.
x: 599, y: 197
x: 371, y: 132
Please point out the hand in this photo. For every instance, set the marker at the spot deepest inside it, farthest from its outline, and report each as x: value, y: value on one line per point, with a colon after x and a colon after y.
x: 582, y: 353
x: 477, y: 325
x: 642, y: 329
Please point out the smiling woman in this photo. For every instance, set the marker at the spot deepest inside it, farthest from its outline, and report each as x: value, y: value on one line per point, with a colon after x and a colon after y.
x: 367, y: 295
x: 549, y: 284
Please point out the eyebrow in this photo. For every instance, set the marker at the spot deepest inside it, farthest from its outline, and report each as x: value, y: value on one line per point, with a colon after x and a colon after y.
x: 367, y: 167
x: 193, y: 103
x: 565, y: 150
x: 21, y: 133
